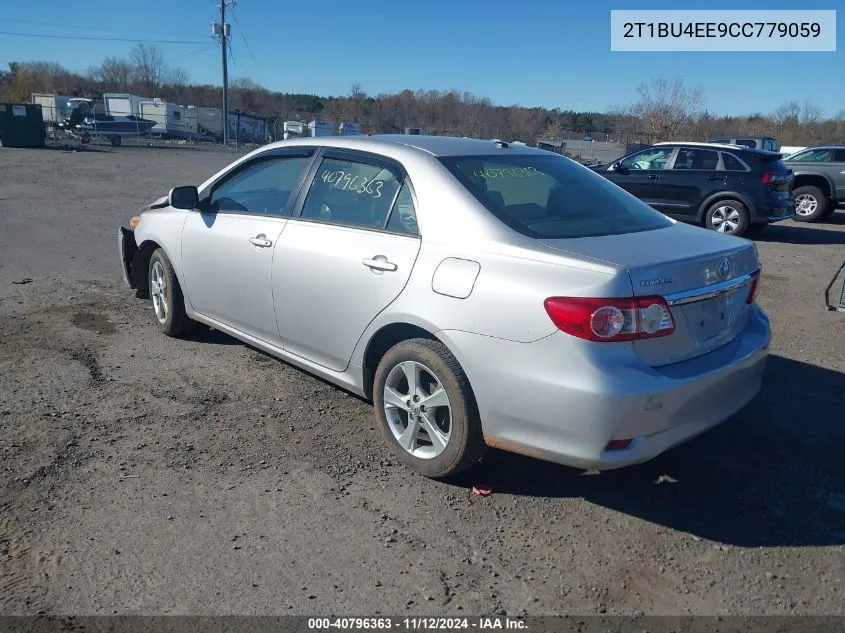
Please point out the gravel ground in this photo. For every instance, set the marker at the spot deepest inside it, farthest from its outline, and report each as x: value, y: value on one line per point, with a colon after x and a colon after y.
x: 142, y: 474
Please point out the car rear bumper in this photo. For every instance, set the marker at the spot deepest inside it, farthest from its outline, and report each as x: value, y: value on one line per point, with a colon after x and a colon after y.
x: 764, y: 214
x: 555, y: 400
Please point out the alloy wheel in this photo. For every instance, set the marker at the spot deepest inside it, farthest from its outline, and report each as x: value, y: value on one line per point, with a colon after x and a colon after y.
x: 418, y: 410
x: 158, y: 291
x: 806, y: 204
x: 726, y: 219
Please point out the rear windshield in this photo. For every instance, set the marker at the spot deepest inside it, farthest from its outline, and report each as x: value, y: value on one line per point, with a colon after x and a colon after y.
x: 552, y: 196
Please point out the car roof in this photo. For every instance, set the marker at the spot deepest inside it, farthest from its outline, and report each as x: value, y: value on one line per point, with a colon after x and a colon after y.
x: 820, y: 147
x: 433, y: 145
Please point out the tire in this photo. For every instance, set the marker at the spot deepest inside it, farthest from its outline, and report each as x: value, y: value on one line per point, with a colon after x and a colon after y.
x: 457, y: 421
x: 728, y: 216
x: 810, y: 203
x: 163, y: 286
x: 115, y: 141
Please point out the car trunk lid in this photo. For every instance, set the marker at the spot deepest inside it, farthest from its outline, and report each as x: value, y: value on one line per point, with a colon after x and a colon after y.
x: 704, y: 276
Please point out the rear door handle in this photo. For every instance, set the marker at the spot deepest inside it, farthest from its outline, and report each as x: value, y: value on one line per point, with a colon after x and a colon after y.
x: 379, y: 262
x: 260, y: 240
x: 654, y: 177
x: 716, y: 177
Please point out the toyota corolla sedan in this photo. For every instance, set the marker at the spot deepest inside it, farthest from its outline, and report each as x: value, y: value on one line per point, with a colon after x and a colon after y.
x: 479, y: 293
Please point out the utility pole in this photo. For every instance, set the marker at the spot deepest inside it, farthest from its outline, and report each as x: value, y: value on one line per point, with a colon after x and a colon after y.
x: 223, y: 30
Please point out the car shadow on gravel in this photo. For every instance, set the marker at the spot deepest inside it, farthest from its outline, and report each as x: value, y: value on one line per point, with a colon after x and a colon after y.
x: 789, y: 232
x: 772, y: 476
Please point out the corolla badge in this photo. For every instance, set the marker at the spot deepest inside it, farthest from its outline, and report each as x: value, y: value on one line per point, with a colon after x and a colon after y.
x: 724, y: 268
x: 660, y: 281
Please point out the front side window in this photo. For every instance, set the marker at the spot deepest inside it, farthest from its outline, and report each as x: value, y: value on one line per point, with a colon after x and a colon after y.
x: 651, y: 158
x: 351, y: 193
x: 262, y: 187
x: 696, y: 159
x: 812, y: 156
x: 552, y: 196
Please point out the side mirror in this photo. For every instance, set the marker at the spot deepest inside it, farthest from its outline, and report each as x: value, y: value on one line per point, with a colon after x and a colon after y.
x: 618, y: 168
x: 184, y: 197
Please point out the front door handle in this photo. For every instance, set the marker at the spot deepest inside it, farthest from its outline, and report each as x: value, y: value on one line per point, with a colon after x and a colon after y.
x: 654, y: 177
x: 260, y: 240
x: 379, y: 262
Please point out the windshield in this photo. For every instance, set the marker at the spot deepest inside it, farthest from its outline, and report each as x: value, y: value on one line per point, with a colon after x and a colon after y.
x: 552, y: 196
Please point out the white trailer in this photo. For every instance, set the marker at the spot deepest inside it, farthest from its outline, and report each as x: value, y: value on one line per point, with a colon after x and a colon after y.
x: 172, y: 120
x: 348, y: 128
x: 294, y: 129
x: 54, y: 108
x: 123, y: 104
x: 321, y: 128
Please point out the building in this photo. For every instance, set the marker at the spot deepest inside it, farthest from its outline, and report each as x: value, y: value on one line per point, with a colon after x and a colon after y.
x: 54, y: 108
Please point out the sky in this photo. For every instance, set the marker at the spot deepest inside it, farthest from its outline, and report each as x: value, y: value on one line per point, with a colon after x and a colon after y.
x: 549, y: 53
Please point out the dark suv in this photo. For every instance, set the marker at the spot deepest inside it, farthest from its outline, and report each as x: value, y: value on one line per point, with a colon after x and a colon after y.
x: 728, y: 188
x: 819, y: 181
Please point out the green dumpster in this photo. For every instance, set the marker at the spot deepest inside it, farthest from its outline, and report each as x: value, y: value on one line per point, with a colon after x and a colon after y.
x: 21, y: 125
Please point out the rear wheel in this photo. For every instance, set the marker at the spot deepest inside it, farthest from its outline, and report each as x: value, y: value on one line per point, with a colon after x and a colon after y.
x: 115, y: 141
x: 810, y: 203
x: 728, y: 216
x: 426, y: 409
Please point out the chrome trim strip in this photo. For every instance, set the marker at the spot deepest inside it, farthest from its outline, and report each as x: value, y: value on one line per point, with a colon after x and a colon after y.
x: 708, y: 292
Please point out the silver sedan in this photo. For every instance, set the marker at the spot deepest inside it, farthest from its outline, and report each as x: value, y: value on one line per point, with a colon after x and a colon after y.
x: 479, y: 294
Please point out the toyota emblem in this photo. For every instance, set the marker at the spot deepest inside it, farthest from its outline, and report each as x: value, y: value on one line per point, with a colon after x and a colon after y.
x: 724, y: 268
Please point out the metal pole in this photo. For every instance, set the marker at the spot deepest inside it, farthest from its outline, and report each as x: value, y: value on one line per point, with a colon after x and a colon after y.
x: 225, y: 74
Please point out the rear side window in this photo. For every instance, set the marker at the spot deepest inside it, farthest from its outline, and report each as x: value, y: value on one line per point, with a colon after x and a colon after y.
x: 351, y: 193
x: 696, y: 159
x: 261, y: 187
x: 770, y: 145
x: 552, y: 196
x: 732, y: 163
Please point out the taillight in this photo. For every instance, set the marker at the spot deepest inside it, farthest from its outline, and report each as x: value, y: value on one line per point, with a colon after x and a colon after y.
x: 771, y: 177
x: 752, y: 291
x: 611, y: 320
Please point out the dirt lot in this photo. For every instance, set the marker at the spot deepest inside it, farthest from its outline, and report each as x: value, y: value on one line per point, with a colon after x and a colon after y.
x: 142, y: 474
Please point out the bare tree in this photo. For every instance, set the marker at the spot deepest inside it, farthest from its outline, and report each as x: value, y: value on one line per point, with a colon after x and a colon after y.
x: 150, y: 68
x: 666, y: 107
x: 114, y: 73
x: 811, y: 113
x: 787, y: 112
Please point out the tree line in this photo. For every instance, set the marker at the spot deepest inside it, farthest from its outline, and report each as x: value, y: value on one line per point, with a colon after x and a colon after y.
x: 666, y: 109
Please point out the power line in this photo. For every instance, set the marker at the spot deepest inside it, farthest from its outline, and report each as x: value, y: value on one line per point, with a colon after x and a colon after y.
x: 101, y: 39
x: 249, y: 50
x: 196, y: 52
x: 79, y: 27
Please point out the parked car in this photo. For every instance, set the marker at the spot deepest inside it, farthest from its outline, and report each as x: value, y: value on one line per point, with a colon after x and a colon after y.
x: 819, y: 181
x: 727, y: 188
x: 766, y: 143
x: 479, y: 293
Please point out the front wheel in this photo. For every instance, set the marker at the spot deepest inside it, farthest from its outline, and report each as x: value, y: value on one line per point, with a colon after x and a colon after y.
x: 166, y: 295
x: 728, y: 216
x: 426, y: 409
x: 810, y: 204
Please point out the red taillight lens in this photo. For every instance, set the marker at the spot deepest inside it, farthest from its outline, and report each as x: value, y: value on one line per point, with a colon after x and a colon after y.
x: 752, y: 291
x: 617, y: 445
x: 768, y: 177
x: 611, y: 320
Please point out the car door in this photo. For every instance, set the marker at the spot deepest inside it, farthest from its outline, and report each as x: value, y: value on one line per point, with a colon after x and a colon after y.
x: 228, y: 245
x: 837, y: 172
x: 345, y: 255
x: 641, y: 174
x: 692, y: 176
